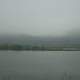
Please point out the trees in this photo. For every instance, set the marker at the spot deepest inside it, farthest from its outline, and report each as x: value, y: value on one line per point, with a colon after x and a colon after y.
x: 4, y: 47
x: 35, y: 48
x: 27, y: 47
x: 15, y: 47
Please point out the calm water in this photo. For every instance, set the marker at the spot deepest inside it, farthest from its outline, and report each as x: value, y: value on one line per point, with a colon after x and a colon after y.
x: 28, y: 65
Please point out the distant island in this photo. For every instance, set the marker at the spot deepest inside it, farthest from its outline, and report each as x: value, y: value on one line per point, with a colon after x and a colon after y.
x: 18, y: 47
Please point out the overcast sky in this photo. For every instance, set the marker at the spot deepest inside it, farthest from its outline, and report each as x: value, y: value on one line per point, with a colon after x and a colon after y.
x: 40, y: 17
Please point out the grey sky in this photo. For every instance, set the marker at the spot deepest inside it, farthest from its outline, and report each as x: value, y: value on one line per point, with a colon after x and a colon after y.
x: 39, y: 17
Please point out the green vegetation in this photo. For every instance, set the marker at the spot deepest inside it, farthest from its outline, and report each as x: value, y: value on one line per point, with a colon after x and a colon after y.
x: 38, y: 48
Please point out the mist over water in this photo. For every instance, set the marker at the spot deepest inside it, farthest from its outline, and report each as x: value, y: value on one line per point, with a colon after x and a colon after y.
x: 53, y: 23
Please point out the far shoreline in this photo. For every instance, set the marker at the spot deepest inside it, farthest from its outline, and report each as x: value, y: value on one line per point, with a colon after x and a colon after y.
x: 18, y: 47
x: 39, y: 50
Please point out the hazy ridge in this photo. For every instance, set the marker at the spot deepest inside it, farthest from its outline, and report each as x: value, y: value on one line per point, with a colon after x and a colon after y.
x: 36, y: 40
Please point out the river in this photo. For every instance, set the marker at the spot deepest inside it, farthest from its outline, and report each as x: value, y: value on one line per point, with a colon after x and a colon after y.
x: 39, y: 65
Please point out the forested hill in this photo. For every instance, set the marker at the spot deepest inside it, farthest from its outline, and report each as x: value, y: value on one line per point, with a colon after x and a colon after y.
x: 32, y: 40
x: 26, y: 42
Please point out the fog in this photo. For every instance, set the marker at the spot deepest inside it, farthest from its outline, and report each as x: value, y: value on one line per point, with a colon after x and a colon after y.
x: 40, y: 17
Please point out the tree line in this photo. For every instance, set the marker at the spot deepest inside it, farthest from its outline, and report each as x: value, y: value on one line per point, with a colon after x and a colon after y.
x: 32, y: 47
